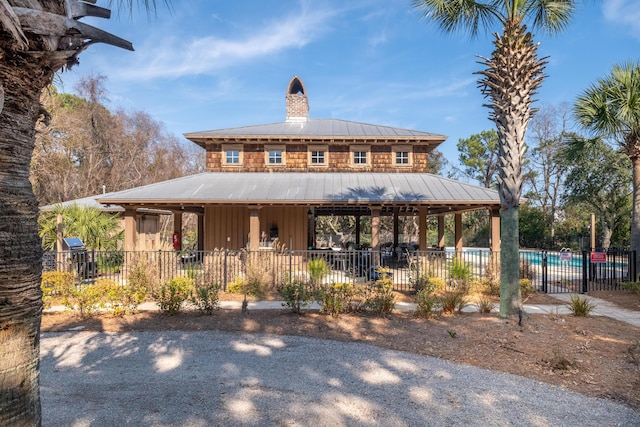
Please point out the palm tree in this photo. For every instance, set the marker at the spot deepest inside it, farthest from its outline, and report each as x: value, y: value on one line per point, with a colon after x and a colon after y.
x: 510, y: 80
x: 37, y: 39
x: 610, y: 108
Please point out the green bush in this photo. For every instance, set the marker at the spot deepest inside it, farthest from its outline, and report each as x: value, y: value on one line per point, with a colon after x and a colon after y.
x: 110, y: 262
x: 121, y: 299
x: 241, y: 286
x: 580, y: 306
x: 206, y: 298
x: 336, y: 298
x: 631, y: 286
x: 296, y: 295
x: 318, y: 270
x: 526, y: 288
x: 381, y: 299
x: 173, y: 293
x: 453, y: 302
x: 86, y: 299
x: 459, y: 270
x: 426, y: 303
x: 56, y: 284
x: 485, y: 304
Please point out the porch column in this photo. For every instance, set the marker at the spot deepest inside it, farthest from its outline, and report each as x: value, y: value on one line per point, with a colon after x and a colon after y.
x: 375, y: 236
x: 458, y: 233
x: 254, y: 228
x: 357, y: 230
x: 177, y: 229
x: 494, y: 242
x: 422, y: 229
x: 396, y: 226
x: 130, y: 233
x: 59, y: 243
x: 440, y: 231
x: 200, y: 232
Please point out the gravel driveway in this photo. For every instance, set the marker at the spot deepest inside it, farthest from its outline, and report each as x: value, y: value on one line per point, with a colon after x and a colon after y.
x: 175, y: 378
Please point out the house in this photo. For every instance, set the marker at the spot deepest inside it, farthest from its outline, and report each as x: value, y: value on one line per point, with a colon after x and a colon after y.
x: 274, y: 180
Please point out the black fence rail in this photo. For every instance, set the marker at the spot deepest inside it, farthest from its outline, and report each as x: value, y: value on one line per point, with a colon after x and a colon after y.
x: 550, y: 272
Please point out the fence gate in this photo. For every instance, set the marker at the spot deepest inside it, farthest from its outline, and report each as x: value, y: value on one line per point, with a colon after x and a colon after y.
x: 563, y: 272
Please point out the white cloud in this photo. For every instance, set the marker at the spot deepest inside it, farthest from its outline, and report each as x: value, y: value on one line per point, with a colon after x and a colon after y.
x: 174, y: 57
x: 626, y: 12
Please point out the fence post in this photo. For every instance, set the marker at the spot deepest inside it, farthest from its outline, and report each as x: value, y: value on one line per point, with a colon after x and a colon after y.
x: 632, y: 266
x: 585, y: 271
x: 224, y: 270
x: 545, y: 273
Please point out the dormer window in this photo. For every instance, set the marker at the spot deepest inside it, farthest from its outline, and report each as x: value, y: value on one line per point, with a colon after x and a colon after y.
x: 317, y: 157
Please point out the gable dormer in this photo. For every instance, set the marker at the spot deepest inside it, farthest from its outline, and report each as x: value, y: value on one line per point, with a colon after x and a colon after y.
x: 297, y: 102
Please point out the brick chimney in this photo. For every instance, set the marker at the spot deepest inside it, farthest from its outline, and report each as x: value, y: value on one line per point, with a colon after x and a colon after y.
x: 297, y: 102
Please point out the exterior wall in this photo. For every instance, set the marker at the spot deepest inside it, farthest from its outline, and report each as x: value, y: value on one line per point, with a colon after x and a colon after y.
x: 381, y: 158
x: 148, y: 227
x: 228, y: 226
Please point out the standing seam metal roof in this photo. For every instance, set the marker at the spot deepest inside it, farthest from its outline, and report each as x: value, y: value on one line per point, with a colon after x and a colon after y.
x: 301, y: 187
x: 317, y: 128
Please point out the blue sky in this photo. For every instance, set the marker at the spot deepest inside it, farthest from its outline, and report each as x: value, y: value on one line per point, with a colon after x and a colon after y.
x: 211, y: 64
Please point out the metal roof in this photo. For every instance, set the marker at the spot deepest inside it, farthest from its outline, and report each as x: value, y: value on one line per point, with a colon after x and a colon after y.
x: 303, y: 188
x: 318, y: 128
x: 90, y: 202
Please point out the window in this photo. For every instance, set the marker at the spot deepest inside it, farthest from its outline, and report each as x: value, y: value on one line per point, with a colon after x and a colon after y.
x: 318, y: 155
x: 402, y: 157
x: 232, y: 154
x: 360, y: 157
x: 275, y: 157
x: 233, y: 157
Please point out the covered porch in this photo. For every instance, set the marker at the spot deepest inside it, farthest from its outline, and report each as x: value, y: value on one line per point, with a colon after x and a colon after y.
x: 252, y: 210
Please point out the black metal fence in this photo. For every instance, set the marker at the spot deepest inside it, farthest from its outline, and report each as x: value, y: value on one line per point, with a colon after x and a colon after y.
x: 550, y: 272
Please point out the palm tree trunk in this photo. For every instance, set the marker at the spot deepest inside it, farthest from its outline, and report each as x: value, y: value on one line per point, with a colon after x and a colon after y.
x: 23, y: 77
x: 635, y: 216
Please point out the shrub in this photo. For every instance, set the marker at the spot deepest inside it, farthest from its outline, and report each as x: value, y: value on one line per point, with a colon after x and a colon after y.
x: 335, y: 298
x: 631, y: 286
x: 85, y: 299
x: 420, y: 282
x: 296, y: 295
x: 173, y: 293
x: 206, y: 298
x: 580, y: 306
x: 142, y: 275
x: 318, y: 270
x: 382, y: 299
x: 485, y: 304
x: 459, y: 270
x: 110, y: 262
x: 242, y: 286
x: 121, y: 299
x: 453, y: 302
x: 56, y: 284
x: 426, y: 303
x: 526, y: 288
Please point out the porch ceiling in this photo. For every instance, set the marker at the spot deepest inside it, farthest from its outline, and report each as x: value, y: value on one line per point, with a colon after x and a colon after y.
x: 332, y: 192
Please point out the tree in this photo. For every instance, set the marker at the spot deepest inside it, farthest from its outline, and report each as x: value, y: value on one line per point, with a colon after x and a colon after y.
x: 511, y: 78
x: 38, y: 38
x: 545, y: 167
x: 610, y: 108
x: 97, y: 230
x: 601, y: 179
x: 479, y: 155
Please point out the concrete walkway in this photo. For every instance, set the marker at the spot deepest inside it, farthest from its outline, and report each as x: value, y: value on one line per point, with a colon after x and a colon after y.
x: 603, y: 308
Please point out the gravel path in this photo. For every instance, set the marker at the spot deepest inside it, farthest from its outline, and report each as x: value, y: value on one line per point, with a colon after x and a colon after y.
x: 176, y: 378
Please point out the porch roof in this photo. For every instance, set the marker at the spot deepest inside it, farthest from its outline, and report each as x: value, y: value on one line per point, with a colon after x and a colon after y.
x: 359, y: 189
